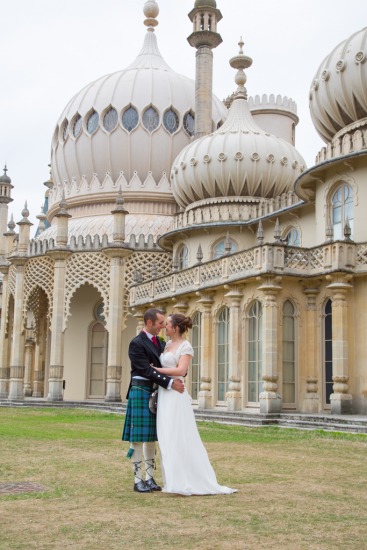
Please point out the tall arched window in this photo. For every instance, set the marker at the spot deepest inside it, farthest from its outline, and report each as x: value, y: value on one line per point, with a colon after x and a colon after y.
x: 289, y: 354
x: 195, y: 363
x: 183, y: 258
x: 222, y: 353
x: 328, y: 352
x: 98, y: 361
x: 254, y: 353
x: 341, y: 210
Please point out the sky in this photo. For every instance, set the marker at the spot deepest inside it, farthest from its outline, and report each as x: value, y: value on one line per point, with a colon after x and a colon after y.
x: 49, y: 50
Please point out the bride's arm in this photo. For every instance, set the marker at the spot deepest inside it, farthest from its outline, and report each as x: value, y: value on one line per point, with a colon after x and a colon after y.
x: 180, y: 370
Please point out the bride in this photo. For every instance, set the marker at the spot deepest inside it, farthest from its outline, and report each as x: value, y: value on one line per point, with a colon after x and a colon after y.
x: 185, y: 464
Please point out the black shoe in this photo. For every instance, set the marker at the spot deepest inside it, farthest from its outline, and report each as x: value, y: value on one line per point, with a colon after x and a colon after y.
x: 152, y: 485
x: 142, y: 487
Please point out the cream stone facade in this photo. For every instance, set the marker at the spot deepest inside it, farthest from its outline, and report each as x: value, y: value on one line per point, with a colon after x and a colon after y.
x: 162, y: 195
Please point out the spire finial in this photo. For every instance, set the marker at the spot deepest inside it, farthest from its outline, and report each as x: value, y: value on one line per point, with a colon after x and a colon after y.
x: 241, y: 62
x: 151, y: 11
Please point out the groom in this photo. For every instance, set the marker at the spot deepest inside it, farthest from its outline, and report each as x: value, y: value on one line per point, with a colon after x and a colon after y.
x: 140, y: 423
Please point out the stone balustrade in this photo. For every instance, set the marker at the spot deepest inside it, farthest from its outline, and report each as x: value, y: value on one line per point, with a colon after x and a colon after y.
x: 275, y: 258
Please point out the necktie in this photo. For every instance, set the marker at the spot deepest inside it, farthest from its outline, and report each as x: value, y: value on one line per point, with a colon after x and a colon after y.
x: 155, y: 341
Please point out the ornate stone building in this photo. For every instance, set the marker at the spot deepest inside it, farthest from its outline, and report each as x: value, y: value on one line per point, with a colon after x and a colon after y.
x: 160, y: 194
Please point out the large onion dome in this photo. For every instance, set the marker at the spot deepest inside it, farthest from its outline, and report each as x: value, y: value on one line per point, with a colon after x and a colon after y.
x: 237, y: 160
x: 127, y: 127
x: 338, y: 92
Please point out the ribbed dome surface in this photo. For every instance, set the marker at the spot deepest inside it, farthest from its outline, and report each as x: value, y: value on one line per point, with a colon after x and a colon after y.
x: 239, y: 159
x: 135, y: 120
x: 338, y: 94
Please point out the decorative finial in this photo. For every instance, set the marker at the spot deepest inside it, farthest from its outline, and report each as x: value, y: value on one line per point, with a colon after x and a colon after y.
x: 260, y: 233
x: 241, y: 62
x: 347, y: 230
x: 11, y: 224
x: 199, y: 254
x: 151, y: 11
x: 25, y: 211
x: 277, y: 232
x: 227, y: 244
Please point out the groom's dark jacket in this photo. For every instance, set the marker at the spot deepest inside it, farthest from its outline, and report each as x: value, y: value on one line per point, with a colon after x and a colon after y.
x: 143, y: 353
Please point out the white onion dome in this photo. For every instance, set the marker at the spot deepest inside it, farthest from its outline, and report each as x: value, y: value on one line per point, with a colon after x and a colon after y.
x: 239, y: 159
x: 126, y: 127
x: 338, y: 92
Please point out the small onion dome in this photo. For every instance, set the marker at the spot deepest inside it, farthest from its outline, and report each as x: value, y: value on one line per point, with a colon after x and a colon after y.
x: 338, y: 91
x: 4, y: 178
x: 239, y: 159
x: 205, y: 4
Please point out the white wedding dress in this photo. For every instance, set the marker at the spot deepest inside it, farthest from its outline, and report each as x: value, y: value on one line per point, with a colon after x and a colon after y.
x: 186, y: 468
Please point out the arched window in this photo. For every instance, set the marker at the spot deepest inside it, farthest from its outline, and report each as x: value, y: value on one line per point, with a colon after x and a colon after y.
x: 92, y: 122
x: 195, y: 364
x: 219, y: 249
x: 293, y: 237
x: 150, y: 119
x: 289, y: 354
x: 183, y: 258
x: 254, y: 373
x: 98, y: 361
x: 341, y: 210
x: 189, y: 123
x: 130, y: 119
x: 222, y: 353
x: 110, y: 120
x: 170, y: 121
x: 77, y: 126
x: 328, y: 352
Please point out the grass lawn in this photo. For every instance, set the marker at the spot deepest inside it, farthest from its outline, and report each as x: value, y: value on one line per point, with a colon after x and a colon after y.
x: 296, y: 489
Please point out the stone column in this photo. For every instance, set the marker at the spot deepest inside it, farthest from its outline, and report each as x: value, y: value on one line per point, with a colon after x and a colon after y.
x: 39, y: 363
x: 56, y: 370
x: 28, y: 363
x: 4, y: 347
x: 19, y: 259
x: 340, y: 399
x: 233, y: 395
x: 270, y: 399
x: 17, y: 348
x: 115, y: 321
x: 204, y: 39
x: 312, y: 362
x: 205, y: 396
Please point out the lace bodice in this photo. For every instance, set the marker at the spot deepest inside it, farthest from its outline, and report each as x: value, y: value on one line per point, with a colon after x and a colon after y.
x: 170, y: 359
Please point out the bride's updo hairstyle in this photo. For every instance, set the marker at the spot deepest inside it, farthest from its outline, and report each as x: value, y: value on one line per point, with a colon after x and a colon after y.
x: 181, y: 322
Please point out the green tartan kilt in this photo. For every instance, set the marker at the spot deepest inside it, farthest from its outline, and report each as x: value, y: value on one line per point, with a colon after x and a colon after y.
x: 140, y: 423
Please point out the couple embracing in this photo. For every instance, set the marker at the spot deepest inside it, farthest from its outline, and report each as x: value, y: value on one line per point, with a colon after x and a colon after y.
x: 186, y: 469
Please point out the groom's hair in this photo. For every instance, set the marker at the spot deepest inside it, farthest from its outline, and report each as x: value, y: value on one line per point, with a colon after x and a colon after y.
x: 152, y: 314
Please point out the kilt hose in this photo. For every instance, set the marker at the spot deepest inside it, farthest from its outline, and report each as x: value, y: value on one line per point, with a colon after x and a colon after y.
x: 140, y: 423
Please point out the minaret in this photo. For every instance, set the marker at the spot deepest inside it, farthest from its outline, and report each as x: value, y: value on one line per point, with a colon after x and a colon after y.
x: 5, y: 198
x: 205, y: 38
